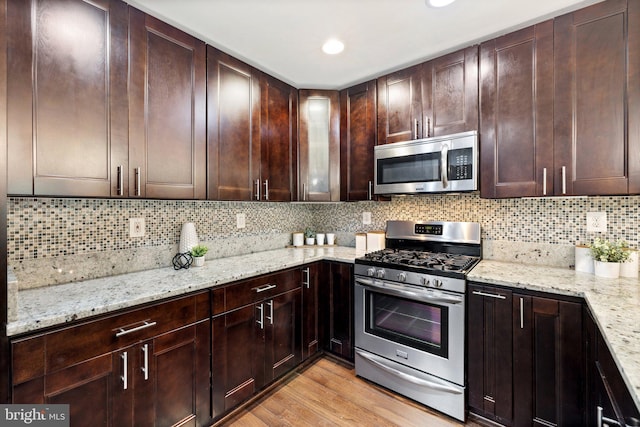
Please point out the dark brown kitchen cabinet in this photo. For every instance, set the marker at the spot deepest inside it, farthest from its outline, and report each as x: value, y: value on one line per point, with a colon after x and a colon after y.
x: 548, y: 369
x: 233, y: 133
x: 256, y: 336
x: 607, y: 395
x: 434, y: 98
x: 336, y: 302
x: 278, y: 140
x: 596, y: 135
x: 357, y: 141
x: 311, y: 280
x: 67, y: 115
x: 319, y: 146
x: 167, y: 111
x: 516, y: 109
x: 144, y: 367
x: 490, y: 359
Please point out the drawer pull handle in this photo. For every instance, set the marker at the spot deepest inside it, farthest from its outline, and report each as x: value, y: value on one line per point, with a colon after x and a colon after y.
x: 305, y: 282
x: 264, y: 288
x: 145, y: 325
x: 484, y: 294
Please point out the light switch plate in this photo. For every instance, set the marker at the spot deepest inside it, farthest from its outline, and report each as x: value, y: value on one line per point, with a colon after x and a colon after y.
x: 241, y: 220
x: 136, y: 227
x: 596, y: 222
x: 366, y: 218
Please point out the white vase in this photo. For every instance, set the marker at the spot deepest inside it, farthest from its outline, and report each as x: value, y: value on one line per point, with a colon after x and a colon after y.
x: 610, y: 270
x: 584, y: 260
x: 310, y: 240
x: 188, y: 237
x: 298, y: 239
x: 198, y: 261
x: 630, y: 267
x: 320, y: 239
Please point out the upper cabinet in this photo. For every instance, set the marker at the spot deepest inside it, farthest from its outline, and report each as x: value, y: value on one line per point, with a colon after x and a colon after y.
x: 357, y: 139
x: 319, y: 146
x: 67, y: 118
x: 233, y: 130
x: 278, y: 140
x: 516, y: 107
x: 435, y: 98
x: 167, y: 111
x: 597, y: 66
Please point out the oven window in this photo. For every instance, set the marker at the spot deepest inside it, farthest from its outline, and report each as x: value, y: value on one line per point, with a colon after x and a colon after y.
x: 407, y: 169
x: 413, y: 323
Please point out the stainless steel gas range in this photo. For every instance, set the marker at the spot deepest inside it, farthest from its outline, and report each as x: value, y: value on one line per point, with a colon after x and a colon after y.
x: 410, y: 311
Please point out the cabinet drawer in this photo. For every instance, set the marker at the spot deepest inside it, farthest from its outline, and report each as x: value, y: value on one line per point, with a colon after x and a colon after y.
x: 76, y: 343
x: 253, y: 290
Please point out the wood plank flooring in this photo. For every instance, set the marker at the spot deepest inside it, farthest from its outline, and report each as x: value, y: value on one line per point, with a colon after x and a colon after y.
x: 327, y: 393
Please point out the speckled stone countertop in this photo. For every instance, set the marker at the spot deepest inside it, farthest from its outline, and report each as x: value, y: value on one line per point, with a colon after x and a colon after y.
x: 614, y: 303
x: 55, y: 305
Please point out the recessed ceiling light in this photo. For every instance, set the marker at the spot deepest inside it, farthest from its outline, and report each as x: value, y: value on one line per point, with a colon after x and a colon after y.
x: 439, y: 3
x: 333, y: 47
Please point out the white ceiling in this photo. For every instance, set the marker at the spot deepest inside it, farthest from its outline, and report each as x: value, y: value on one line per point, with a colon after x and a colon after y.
x: 284, y: 37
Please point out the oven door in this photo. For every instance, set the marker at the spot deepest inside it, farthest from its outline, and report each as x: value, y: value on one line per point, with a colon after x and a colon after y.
x: 422, y: 328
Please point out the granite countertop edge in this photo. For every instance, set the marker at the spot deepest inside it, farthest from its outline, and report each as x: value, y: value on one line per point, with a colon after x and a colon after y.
x: 614, y: 304
x: 49, y: 306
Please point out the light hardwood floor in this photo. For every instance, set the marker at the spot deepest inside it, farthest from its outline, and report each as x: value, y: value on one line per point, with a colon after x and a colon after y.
x: 327, y: 393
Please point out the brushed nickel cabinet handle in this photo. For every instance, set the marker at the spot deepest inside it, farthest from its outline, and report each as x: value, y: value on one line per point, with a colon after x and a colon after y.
x: 427, y: 121
x: 602, y: 419
x: 257, y: 196
x: 416, y: 123
x: 137, y: 184
x: 270, y: 316
x: 304, y: 192
x: 145, y: 361
x: 146, y: 324
x: 484, y: 294
x: 564, y: 180
x: 521, y: 313
x: 119, y: 185
x: 124, y: 377
x: 261, y: 319
x: 305, y: 281
x: 370, y: 193
x: 266, y: 189
x: 263, y: 288
x: 544, y: 181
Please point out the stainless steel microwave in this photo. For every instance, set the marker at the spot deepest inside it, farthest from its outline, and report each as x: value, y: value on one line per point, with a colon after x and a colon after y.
x: 432, y: 165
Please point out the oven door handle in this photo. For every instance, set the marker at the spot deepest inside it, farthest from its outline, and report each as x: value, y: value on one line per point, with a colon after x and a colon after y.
x: 379, y: 362
x: 402, y: 291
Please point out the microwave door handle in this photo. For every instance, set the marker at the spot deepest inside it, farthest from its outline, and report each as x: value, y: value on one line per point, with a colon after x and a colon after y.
x: 444, y: 162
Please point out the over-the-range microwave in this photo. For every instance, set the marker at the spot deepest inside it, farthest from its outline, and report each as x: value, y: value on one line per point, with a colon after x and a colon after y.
x: 432, y: 165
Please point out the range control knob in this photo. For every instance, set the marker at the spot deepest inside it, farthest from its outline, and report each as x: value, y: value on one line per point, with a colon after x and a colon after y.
x: 425, y: 281
x: 380, y: 274
x: 371, y: 271
x: 437, y: 283
x: 402, y: 277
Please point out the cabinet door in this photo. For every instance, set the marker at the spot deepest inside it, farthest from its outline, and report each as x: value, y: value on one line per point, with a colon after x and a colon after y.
x: 490, y: 361
x: 67, y: 97
x: 319, y: 146
x: 357, y: 140
x: 450, y: 94
x: 516, y: 109
x: 547, y: 362
x: 282, y: 330
x: 310, y: 283
x: 167, y: 111
x: 400, y: 106
x: 233, y: 132
x: 278, y: 140
x: 590, y: 48
x: 235, y: 341
x: 339, y: 296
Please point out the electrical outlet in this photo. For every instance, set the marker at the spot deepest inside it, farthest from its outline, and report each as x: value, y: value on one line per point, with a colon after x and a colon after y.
x: 136, y: 227
x: 366, y: 218
x: 596, y: 222
x: 241, y: 220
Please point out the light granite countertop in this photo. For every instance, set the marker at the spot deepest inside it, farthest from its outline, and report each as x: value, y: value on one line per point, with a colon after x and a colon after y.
x: 614, y: 303
x: 55, y: 305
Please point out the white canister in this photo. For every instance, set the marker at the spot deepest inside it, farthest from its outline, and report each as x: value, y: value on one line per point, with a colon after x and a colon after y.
x: 331, y: 239
x: 298, y: 239
x: 320, y: 239
x: 584, y: 261
x: 188, y: 237
x: 375, y: 241
x: 361, y: 242
x: 630, y: 268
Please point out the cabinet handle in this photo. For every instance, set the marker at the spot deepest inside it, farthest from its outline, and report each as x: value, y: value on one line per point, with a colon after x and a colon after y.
x: 145, y: 325
x: 304, y: 192
x: 544, y: 181
x: 261, y: 321
x: 125, y: 368
x: 602, y: 419
x: 564, y: 180
x: 305, y: 281
x: 484, y: 294
x: 119, y: 189
x: 427, y: 121
x: 370, y: 193
x: 416, y: 123
x: 145, y: 362
x: 270, y: 316
x: 521, y: 313
x: 257, y: 189
x: 263, y: 288
x: 266, y: 189
x: 137, y: 184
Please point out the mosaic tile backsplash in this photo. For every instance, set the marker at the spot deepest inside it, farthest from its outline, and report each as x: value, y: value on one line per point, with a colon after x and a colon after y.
x: 54, y: 240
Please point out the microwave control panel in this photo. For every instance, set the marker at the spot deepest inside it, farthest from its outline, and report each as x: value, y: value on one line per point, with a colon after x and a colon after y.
x: 460, y: 164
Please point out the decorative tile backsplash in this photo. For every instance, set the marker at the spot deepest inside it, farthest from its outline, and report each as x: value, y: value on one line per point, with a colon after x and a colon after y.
x: 60, y: 240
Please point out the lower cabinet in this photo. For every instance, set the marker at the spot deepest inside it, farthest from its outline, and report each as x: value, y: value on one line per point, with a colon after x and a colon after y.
x: 311, y: 279
x: 141, y: 368
x: 257, y: 342
x: 336, y: 302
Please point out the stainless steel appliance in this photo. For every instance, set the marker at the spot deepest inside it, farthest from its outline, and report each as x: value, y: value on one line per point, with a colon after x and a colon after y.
x: 410, y: 309
x: 431, y: 165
